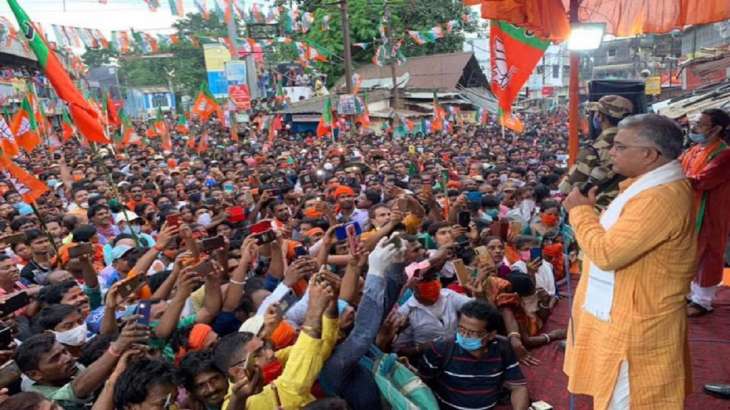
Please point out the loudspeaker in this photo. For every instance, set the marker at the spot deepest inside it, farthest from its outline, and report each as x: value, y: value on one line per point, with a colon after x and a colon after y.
x: 633, y: 90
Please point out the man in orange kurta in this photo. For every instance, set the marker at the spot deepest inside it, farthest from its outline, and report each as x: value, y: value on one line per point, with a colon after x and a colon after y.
x: 627, y: 344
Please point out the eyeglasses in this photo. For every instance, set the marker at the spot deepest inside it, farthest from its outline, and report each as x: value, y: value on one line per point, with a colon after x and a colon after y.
x: 619, y: 147
x: 471, y: 333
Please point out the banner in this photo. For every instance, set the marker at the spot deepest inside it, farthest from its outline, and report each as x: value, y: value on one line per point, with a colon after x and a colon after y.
x: 240, y: 96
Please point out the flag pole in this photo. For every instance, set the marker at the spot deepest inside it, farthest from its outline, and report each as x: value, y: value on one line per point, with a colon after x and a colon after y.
x: 43, y: 226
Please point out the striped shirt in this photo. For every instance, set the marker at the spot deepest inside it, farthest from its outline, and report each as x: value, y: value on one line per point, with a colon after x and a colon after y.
x: 467, y: 382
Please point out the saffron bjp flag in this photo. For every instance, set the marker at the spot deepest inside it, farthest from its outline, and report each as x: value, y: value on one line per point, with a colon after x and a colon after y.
x: 514, y: 55
x: 25, y: 127
x: 203, y: 144
x: 27, y: 185
x: 205, y: 104
x: 67, y: 125
x: 324, y: 126
x: 86, y: 119
x: 7, y: 140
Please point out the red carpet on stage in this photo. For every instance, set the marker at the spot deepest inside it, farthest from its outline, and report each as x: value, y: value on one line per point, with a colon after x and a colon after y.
x: 709, y: 339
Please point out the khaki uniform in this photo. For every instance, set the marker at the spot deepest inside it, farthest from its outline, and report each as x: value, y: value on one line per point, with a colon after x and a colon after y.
x: 593, y: 161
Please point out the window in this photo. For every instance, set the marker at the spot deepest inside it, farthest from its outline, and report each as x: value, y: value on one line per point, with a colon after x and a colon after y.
x: 540, y: 69
x: 159, y: 100
x: 612, y: 52
x: 556, y: 71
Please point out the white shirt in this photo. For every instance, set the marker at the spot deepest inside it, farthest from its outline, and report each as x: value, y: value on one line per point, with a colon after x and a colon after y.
x: 428, y: 323
x: 544, y: 277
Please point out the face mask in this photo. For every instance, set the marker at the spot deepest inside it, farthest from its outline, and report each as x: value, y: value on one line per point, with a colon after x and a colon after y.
x: 429, y: 291
x: 84, y: 205
x: 493, y: 213
x: 549, y: 219
x: 228, y: 188
x: 698, y: 137
x: 525, y: 256
x: 72, y: 337
x: 468, y: 343
x: 51, y: 182
x: 272, y: 370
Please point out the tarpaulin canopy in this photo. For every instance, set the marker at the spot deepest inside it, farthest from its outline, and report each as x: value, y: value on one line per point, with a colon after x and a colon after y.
x: 622, y: 17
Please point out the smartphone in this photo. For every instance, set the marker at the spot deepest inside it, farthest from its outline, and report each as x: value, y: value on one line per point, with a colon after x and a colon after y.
x: 351, y: 238
x: 143, y: 309
x: 395, y: 240
x: 341, y: 231
x: 249, y: 364
x: 84, y: 248
x: 204, y: 268
x: 173, y: 220
x: 474, y: 197
x: 14, y: 238
x: 6, y: 337
x: 306, y: 179
x: 9, y: 373
x: 300, y: 251
x: 260, y: 227
x: 464, y: 219
x: 210, y: 244
x: 130, y: 285
x: 535, y: 253
x: 417, y: 269
x: 236, y: 214
x: 462, y: 275
x: 13, y: 303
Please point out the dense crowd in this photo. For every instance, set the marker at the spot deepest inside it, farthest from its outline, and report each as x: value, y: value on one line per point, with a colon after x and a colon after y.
x: 331, y: 273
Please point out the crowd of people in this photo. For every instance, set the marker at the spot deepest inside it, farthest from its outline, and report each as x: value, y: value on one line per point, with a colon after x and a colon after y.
x: 364, y: 272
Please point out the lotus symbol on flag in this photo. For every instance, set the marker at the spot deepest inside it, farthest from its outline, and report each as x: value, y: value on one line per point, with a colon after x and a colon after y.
x: 24, y: 126
x: 501, y: 74
x: 28, y: 30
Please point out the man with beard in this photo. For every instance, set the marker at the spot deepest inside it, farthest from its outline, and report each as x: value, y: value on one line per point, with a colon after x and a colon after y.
x: 346, y: 211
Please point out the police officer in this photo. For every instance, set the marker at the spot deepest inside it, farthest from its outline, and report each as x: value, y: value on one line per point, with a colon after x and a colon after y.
x: 593, y: 164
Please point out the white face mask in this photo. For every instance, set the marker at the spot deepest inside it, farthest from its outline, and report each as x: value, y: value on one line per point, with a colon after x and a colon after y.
x: 72, y: 337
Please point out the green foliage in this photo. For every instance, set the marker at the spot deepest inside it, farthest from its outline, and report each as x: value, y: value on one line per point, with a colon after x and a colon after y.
x: 365, y: 18
x: 98, y: 56
x: 187, y: 61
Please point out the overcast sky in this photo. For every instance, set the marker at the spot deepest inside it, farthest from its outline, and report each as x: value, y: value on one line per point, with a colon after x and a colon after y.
x: 115, y: 15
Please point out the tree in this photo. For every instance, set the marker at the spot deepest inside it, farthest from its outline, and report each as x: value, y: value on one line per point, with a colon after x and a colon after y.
x: 365, y: 18
x: 97, y: 57
x: 139, y: 70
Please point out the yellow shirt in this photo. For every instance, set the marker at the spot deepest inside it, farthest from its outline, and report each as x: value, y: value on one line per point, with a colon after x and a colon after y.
x: 303, y: 364
x: 652, y: 249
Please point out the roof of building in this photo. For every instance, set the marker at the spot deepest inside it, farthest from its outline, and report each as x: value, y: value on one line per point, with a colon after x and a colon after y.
x: 715, y: 96
x: 152, y: 89
x: 436, y: 71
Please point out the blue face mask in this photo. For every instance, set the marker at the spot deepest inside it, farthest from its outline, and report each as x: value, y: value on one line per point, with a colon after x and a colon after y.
x: 493, y: 213
x: 468, y: 343
x: 698, y: 137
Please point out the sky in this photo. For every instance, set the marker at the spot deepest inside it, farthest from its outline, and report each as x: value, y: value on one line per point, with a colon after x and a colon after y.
x: 114, y: 15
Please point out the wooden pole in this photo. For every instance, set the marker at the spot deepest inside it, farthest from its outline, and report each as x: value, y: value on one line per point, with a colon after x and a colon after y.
x: 573, y: 93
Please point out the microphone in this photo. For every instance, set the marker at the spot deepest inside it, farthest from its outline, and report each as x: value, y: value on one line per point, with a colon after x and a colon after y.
x: 594, y: 179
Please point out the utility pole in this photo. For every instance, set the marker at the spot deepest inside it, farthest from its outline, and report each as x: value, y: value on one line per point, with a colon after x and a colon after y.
x: 348, y: 52
x: 393, y: 58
